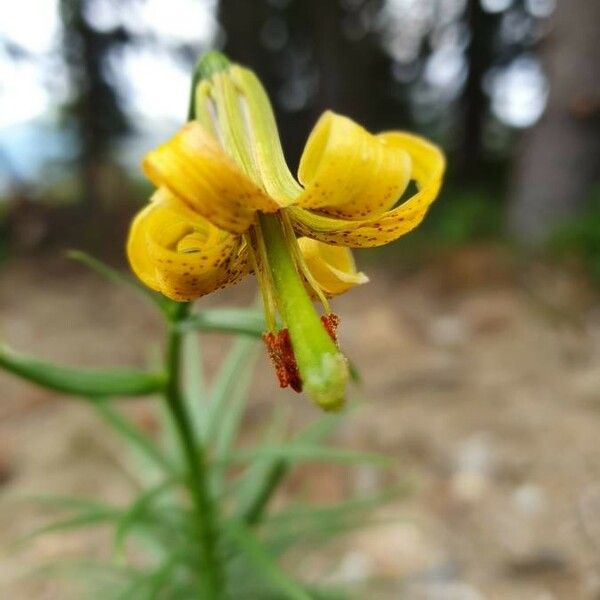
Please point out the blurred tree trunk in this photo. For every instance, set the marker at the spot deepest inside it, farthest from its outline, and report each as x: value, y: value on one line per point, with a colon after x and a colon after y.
x: 244, y: 21
x: 348, y: 70
x: 559, y: 158
x: 95, y: 109
x: 346, y: 66
x: 482, y: 28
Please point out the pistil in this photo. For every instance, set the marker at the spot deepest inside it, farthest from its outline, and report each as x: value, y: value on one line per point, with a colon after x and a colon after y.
x: 323, y: 368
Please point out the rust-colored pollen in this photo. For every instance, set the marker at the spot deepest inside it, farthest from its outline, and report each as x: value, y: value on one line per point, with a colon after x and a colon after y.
x: 331, y: 322
x: 281, y: 353
x: 279, y: 348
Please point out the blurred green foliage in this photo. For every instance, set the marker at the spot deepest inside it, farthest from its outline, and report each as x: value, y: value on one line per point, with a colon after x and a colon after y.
x: 465, y: 216
x: 155, y: 537
x: 579, y: 238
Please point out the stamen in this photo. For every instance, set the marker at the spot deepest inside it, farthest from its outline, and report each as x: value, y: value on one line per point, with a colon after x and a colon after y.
x: 281, y: 353
x: 331, y: 323
x: 263, y: 278
x: 301, y: 263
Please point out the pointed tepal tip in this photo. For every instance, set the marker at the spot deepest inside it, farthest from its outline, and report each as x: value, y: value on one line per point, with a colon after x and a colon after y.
x: 212, y: 62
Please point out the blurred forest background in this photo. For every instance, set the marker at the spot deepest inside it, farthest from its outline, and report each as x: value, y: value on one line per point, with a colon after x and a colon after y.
x: 478, y: 337
x: 508, y: 87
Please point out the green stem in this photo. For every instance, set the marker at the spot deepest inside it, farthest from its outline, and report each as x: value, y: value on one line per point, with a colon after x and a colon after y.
x: 323, y: 369
x: 211, y: 575
x: 253, y: 511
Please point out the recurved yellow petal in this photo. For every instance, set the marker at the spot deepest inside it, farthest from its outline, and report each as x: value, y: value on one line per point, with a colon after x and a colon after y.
x: 332, y: 267
x: 179, y: 253
x: 193, y: 166
x: 427, y: 169
x: 349, y: 173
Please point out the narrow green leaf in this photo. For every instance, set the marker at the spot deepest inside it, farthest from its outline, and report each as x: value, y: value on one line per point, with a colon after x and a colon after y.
x: 316, y: 534
x: 169, y: 439
x: 310, y: 525
x: 255, y: 496
x: 324, y: 426
x: 65, y: 502
x: 240, y: 321
x: 300, y: 516
x: 295, y: 452
x: 227, y: 405
x: 132, y: 516
x: 135, y: 437
x: 260, y: 480
x: 355, y: 375
x: 193, y: 383
x: 134, y: 590
x: 116, y: 276
x: 228, y: 395
x: 149, y: 585
x: 84, y: 519
x: 85, y: 578
x: 162, y: 576
x: 81, y: 382
x: 266, y: 566
x: 154, y: 539
x: 85, y: 567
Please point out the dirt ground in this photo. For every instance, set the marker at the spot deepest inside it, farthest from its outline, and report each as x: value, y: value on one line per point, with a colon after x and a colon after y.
x: 481, y: 381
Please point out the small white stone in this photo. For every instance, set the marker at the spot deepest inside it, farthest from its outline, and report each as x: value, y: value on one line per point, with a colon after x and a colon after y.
x: 354, y: 567
x: 529, y: 499
x: 448, y: 331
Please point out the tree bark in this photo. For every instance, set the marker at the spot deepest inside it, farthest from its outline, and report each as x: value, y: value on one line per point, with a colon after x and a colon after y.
x: 482, y: 27
x: 559, y: 158
x: 95, y: 109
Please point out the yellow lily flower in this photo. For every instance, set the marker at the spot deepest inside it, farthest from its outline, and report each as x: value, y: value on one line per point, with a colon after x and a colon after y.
x: 227, y: 205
